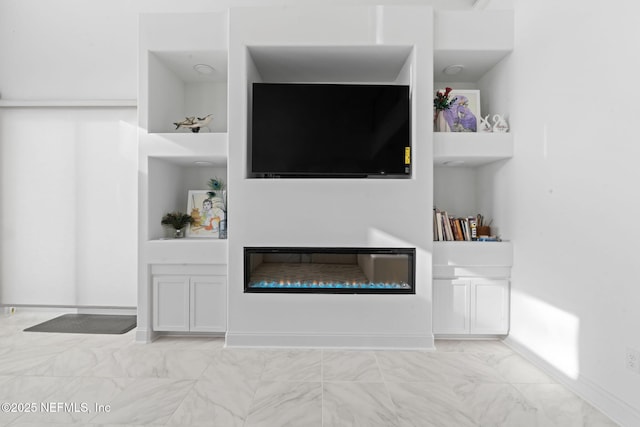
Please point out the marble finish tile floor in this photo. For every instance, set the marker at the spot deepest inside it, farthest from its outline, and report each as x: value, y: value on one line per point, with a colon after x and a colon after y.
x: 108, y: 380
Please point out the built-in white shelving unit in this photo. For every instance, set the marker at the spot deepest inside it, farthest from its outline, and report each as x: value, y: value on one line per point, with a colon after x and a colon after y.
x: 293, y: 45
x: 181, y: 74
x: 463, y: 162
x: 471, y: 279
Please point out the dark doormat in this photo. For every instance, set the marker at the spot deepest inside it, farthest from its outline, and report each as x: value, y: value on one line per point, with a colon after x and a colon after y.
x: 87, y: 324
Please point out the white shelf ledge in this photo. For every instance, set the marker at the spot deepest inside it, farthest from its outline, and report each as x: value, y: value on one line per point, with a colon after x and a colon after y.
x: 186, y: 147
x: 459, y: 253
x: 471, y: 149
x: 472, y: 259
x: 187, y: 251
x: 67, y: 103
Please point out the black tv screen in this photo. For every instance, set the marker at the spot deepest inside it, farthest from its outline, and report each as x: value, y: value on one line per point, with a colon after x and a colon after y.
x: 330, y: 130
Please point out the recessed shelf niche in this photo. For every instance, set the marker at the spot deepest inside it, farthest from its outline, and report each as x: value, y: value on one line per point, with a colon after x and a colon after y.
x: 177, y: 90
x: 467, y: 165
x: 170, y: 179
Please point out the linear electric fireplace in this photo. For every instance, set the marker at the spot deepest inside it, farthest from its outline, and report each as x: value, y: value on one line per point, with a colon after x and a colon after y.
x: 329, y: 270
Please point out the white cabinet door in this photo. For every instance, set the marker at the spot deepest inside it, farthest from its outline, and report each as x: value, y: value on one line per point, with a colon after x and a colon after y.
x: 489, y: 306
x: 471, y: 306
x: 208, y: 296
x: 451, y: 306
x: 171, y: 303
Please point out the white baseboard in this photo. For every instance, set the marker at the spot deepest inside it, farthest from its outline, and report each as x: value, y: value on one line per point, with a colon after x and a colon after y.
x: 23, y: 308
x: 360, y: 342
x: 145, y: 336
x: 616, y: 409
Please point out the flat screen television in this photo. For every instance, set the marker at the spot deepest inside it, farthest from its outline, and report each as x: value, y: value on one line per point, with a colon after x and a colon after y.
x: 330, y: 131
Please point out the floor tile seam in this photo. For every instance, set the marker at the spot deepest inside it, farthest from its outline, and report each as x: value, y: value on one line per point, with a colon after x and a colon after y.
x: 385, y: 382
x: 253, y: 399
x: 445, y: 380
x: 53, y: 349
x: 387, y: 392
x: 480, y: 381
x: 211, y: 362
x: 253, y: 395
x: 458, y: 403
x: 380, y: 370
x: 48, y: 397
x: 192, y: 387
x: 539, y: 410
x: 263, y: 362
x: 290, y: 380
x: 482, y: 361
x: 161, y: 377
x: 93, y: 346
x: 48, y: 375
x: 321, y: 364
x: 542, y: 407
x: 133, y: 384
x: 503, y: 377
x: 521, y: 383
x: 215, y: 402
x: 117, y: 377
x: 322, y: 351
x: 354, y: 382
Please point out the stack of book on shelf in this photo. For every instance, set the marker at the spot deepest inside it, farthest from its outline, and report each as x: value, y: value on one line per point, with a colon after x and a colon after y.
x: 450, y: 228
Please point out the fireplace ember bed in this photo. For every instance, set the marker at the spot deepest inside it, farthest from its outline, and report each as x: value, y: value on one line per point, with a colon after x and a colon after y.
x: 329, y: 270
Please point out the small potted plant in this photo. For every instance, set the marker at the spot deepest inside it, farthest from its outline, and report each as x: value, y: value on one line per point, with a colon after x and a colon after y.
x: 178, y: 221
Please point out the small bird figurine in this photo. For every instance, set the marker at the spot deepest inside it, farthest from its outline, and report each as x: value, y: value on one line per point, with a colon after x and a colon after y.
x: 195, y: 123
x: 485, y: 126
x: 500, y: 124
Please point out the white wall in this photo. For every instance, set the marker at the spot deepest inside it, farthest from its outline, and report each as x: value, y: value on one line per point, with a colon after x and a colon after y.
x: 573, y: 197
x: 67, y: 205
x: 75, y: 49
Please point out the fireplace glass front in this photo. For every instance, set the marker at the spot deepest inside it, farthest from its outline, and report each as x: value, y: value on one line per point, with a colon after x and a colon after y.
x: 329, y: 270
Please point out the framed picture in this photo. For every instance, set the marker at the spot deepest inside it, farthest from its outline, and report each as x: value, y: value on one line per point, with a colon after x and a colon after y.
x: 207, y: 212
x: 464, y: 113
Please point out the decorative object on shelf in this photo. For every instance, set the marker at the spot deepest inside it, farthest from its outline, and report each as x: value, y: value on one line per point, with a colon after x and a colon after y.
x: 217, y: 189
x: 450, y: 228
x: 178, y: 221
x: 195, y: 123
x: 441, y: 103
x: 500, y: 124
x: 216, y: 185
x: 484, y: 231
x: 462, y: 114
x: 208, y: 212
x: 222, y: 234
x: 440, y: 123
x: 485, y: 126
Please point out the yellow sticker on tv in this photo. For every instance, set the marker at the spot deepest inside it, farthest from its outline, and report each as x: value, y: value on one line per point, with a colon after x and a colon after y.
x: 407, y: 155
